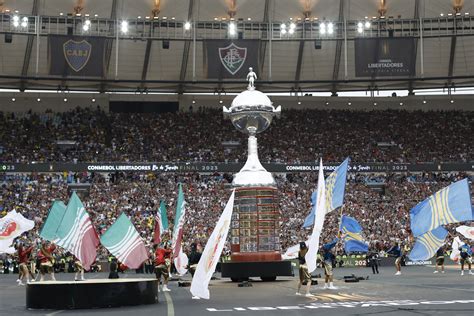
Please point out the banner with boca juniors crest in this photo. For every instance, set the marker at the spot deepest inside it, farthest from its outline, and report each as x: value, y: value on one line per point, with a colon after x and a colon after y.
x: 76, y: 56
x: 230, y: 59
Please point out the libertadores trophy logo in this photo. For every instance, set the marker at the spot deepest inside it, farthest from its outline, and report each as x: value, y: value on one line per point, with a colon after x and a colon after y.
x: 233, y: 57
x: 7, y: 228
x: 77, y: 54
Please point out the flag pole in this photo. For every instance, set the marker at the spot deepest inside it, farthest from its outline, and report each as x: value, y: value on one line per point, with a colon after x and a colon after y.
x: 340, y: 220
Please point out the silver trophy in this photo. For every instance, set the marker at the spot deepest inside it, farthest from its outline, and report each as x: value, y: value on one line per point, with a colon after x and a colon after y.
x: 252, y: 112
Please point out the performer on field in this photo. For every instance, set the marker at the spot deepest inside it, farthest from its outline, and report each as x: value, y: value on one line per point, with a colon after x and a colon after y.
x: 373, y: 259
x: 305, y: 276
x: 465, y: 254
x: 328, y: 259
x: 162, y: 263
x: 396, y: 252
x: 79, y: 270
x: 45, y: 256
x: 23, y: 258
x: 439, y: 260
x: 194, y: 257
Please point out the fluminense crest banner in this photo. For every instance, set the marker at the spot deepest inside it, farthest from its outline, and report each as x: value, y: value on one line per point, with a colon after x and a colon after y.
x: 76, y: 56
x: 382, y: 57
x: 226, y: 59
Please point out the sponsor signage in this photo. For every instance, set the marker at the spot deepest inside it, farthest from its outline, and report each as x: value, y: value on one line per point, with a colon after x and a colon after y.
x: 227, y: 59
x: 76, y: 56
x: 381, y: 57
x: 226, y: 167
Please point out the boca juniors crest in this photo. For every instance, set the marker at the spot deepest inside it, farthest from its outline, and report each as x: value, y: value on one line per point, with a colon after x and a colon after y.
x: 77, y: 54
x: 233, y: 57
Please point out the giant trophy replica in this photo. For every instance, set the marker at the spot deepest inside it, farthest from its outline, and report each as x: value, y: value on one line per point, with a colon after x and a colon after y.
x: 255, y: 242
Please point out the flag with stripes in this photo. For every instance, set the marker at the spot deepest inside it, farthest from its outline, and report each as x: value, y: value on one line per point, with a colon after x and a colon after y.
x: 123, y: 241
x: 427, y: 244
x: 449, y: 205
x: 51, y: 225
x: 180, y: 258
x: 161, y: 223
x: 335, y: 185
x: 76, y: 234
x: 352, y: 235
x: 178, y: 222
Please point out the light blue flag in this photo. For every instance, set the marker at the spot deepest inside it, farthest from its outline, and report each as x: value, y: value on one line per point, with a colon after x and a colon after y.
x: 352, y: 235
x: 449, y: 205
x: 335, y: 187
x: 427, y: 244
x: 309, y: 220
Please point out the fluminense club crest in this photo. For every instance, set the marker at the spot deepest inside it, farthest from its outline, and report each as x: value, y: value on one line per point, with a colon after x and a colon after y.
x: 77, y: 54
x: 233, y: 57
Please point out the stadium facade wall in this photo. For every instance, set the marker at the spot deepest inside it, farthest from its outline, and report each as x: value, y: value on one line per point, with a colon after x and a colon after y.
x: 55, y: 102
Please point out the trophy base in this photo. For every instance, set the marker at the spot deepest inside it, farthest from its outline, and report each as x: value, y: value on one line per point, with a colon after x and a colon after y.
x: 265, y: 270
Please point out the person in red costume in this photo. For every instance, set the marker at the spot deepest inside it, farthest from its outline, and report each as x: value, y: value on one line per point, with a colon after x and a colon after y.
x: 162, y: 263
x: 23, y: 258
x: 45, y: 256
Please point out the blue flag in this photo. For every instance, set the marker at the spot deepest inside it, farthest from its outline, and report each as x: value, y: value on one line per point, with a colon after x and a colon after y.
x: 427, y: 244
x: 335, y: 187
x: 449, y: 205
x: 309, y: 220
x: 352, y: 235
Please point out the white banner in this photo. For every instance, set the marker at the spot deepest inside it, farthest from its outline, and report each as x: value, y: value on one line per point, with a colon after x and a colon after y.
x: 212, y: 251
x: 455, y: 253
x: 181, y: 262
x: 312, y: 254
x: 12, y: 225
x: 466, y: 231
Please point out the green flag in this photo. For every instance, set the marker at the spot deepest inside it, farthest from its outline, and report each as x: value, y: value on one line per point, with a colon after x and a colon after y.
x: 164, y: 216
x: 124, y: 242
x: 51, y: 225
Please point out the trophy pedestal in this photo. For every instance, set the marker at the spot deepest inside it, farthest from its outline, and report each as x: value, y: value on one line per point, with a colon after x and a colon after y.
x: 255, y: 242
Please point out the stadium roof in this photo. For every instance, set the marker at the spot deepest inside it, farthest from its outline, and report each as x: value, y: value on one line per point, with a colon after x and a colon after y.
x: 290, y: 62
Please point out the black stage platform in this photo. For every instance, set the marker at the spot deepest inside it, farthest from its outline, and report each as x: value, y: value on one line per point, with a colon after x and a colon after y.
x: 267, y: 271
x: 96, y: 293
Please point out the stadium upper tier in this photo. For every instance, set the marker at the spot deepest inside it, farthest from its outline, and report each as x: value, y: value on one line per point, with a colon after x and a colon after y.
x: 87, y: 135
x: 310, y: 45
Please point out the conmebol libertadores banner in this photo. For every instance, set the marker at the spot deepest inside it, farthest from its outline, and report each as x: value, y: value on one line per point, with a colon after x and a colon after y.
x: 382, y: 57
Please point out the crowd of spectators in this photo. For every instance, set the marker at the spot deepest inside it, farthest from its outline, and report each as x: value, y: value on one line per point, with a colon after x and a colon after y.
x: 384, y: 216
x: 298, y: 136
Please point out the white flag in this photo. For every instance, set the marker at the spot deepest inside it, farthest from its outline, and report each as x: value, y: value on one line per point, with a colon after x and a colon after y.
x: 211, y: 254
x: 12, y: 225
x: 181, y: 262
x: 312, y: 254
x: 466, y: 231
x: 455, y: 253
x: 292, y: 252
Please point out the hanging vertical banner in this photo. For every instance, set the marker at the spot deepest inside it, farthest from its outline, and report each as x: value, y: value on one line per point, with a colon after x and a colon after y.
x: 382, y: 57
x: 76, y: 56
x: 226, y: 59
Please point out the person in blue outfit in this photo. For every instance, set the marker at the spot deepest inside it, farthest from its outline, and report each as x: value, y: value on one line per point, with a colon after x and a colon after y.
x: 396, y: 252
x: 466, y: 253
x: 328, y: 259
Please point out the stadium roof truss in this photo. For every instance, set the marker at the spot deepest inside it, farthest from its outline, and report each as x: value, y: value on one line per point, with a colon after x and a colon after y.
x: 138, y: 59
